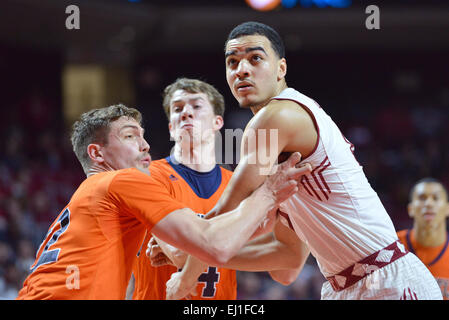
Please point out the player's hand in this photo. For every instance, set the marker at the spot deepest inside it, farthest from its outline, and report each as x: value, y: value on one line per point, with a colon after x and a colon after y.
x: 179, y: 288
x: 283, y: 182
x: 156, y: 255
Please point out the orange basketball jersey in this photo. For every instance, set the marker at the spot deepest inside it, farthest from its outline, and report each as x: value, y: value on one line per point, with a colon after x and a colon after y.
x: 89, y: 249
x: 200, y: 192
x: 435, y: 258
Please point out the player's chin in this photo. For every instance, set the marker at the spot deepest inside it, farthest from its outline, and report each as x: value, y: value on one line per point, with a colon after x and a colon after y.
x: 143, y: 164
x: 246, y: 103
x: 243, y: 99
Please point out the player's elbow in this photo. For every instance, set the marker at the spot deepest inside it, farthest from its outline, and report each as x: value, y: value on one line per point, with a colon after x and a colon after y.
x: 220, y: 249
x: 285, y: 277
x: 215, y: 258
x: 284, y: 280
x: 219, y: 255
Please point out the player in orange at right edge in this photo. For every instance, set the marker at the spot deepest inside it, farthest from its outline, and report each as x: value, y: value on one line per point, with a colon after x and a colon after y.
x: 428, y: 238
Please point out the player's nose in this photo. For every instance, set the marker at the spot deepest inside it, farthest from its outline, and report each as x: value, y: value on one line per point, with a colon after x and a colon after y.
x: 243, y: 68
x: 429, y: 201
x: 187, y: 112
x: 144, y: 146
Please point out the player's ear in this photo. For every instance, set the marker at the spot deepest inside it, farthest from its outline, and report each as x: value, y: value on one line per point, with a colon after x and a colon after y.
x: 94, y: 152
x: 170, y: 129
x: 282, y: 69
x: 218, y: 123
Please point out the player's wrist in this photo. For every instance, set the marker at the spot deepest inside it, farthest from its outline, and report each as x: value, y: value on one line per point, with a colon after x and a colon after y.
x: 187, y: 279
x: 265, y: 195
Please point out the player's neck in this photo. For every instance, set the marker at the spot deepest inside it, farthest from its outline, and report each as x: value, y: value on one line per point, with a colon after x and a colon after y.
x: 199, y: 157
x: 97, y: 168
x: 282, y: 86
x: 430, y: 237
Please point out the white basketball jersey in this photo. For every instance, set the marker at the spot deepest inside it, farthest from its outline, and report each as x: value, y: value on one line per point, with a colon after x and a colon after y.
x: 335, y: 211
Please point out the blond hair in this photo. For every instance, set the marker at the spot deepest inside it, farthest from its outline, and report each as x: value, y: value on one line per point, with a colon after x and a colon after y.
x: 194, y: 86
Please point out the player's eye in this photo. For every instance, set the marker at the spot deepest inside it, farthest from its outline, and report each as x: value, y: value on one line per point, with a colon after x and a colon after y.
x: 231, y: 62
x: 256, y: 57
x: 129, y: 135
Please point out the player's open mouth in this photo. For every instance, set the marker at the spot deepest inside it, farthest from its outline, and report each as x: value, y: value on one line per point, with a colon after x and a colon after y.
x: 146, y: 160
x: 244, y: 86
x: 428, y: 216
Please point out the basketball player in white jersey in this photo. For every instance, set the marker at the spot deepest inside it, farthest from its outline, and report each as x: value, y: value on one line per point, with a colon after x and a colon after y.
x: 335, y: 215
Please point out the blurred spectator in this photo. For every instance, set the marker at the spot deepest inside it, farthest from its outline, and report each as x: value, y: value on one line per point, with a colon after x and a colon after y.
x: 249, y: 285
x: 274, y: 291
x: 8, y: 288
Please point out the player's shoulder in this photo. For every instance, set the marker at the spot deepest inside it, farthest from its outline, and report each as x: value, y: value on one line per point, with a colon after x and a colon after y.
x: 130, y: 177
x: 100, y: 180
x: 161, y: 166
x: 285, y: 114
x: 160, y: 163
x: 162, y: 170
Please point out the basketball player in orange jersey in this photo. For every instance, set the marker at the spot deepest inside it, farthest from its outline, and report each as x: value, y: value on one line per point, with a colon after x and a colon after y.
x: 90, y: 248
x: 191, y: 175
x: 335, y: 215
x: 428, y: 239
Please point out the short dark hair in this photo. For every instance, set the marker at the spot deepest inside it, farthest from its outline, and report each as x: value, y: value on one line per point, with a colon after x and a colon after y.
x: 427, y: 180
x: 256, y: 28
x: 216, y: 99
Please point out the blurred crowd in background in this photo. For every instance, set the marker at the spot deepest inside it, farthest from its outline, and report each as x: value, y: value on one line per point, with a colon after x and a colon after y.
x: 398, y: 125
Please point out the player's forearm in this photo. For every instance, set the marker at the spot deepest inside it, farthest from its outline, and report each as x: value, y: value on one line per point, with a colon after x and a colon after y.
x: 192, y: 269
x: 177, y: 256
x: 244, y: 180
x: 266, y: 226
x: 216, y: 240
x: 289, y: 275
x: 265, y: 254
x: 247, y: 177
x: 231, y: 231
